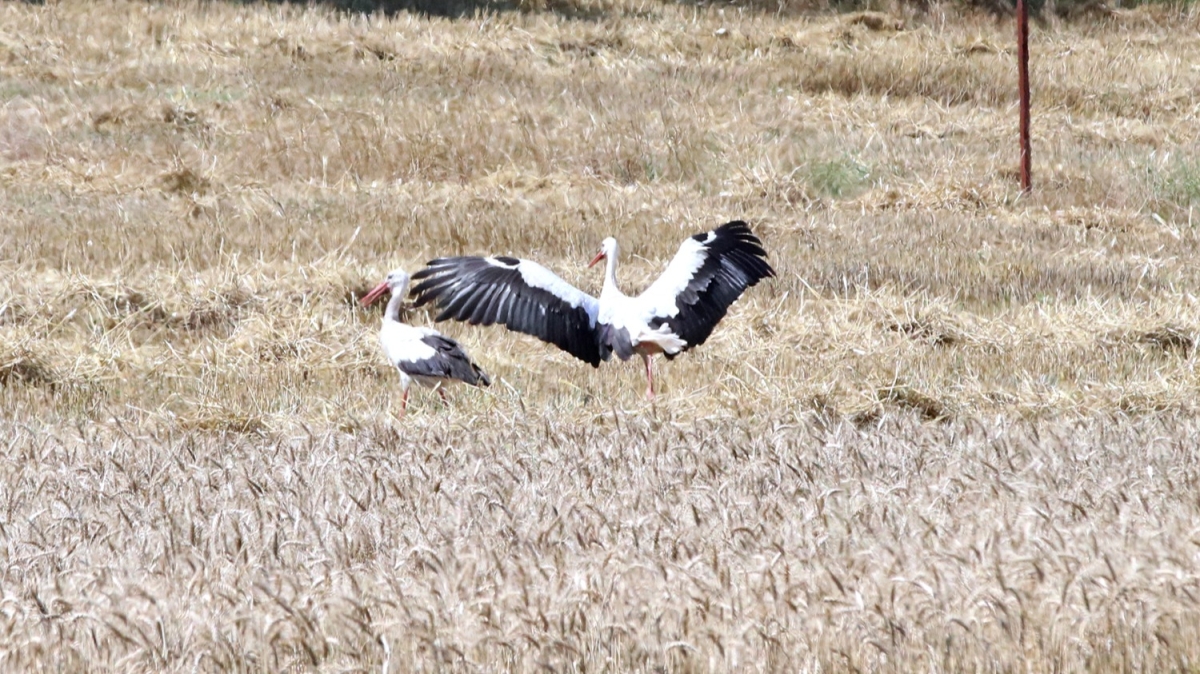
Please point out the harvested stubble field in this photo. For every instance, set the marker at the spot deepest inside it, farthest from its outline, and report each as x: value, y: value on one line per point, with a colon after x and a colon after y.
x: 955, y: 433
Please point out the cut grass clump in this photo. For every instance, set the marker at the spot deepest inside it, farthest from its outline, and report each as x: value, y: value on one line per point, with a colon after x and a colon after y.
x: 184, y: 181
x: 908, y: 398
x: 1169, y: 339
x: 210, y: 320
x: 222, y: 421
x: 25, y: 369
x: 217, y: 314
x: 112, y: 305
x: 1164, y: 340
x: 926, y: 331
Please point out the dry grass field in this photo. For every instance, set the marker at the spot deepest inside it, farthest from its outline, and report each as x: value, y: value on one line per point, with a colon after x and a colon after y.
x: 956, y: 433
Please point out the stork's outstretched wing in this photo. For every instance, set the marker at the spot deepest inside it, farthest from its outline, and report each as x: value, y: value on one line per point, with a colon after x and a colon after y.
x: 707, y: 275
x: 520, y: 294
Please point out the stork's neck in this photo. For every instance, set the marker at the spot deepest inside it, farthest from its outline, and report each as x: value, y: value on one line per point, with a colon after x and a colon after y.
x: 610, y: 276
x: 392, y: 313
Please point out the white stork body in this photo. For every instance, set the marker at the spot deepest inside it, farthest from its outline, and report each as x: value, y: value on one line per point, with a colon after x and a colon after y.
x: 422, y: 355
x: 629, y: 319
x: 677, y: 312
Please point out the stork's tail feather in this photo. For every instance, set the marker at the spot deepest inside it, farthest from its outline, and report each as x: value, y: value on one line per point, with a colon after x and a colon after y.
x: 675, y: 345
x: 670, y: 343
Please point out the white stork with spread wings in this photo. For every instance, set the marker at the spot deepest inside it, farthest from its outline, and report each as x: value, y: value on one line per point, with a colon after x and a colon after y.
x: 422, y: 355
x: 676, y: 313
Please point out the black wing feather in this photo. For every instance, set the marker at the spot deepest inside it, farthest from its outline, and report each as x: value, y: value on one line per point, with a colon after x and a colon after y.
x: 734, y: 260
x: 449, y: 362
x: 477, y: 290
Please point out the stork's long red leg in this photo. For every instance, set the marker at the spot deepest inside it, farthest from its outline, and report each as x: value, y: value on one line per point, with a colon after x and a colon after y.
x: 404, y: 403
x: 442, y: 392
x: 649, y: 376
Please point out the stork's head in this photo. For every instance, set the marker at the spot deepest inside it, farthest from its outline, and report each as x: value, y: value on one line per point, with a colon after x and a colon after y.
x: 608, y: 248
x: 396, y: 282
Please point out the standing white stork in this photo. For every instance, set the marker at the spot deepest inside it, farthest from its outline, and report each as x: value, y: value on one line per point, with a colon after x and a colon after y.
x: 420, y: 354
x: 676, y: 313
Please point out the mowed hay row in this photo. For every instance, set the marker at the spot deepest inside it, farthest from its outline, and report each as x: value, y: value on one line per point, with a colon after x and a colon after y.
x: 628, y: 546
x: 270, y: 346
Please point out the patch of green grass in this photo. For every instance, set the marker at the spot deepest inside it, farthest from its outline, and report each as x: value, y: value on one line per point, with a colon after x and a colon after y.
x: 1175, y: 183
x: 11, y: 90
x: 838, y: 178
x: 194, y: 95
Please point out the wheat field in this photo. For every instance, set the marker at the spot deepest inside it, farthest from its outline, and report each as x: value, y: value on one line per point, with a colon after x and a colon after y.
x: 955, y: 432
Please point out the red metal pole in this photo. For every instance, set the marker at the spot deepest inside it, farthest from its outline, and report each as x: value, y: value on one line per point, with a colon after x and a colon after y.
x: 1023, y: 83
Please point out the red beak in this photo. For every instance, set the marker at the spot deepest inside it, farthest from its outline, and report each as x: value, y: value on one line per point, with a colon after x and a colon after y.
x: 599, y: 256
x: 375, y: 294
